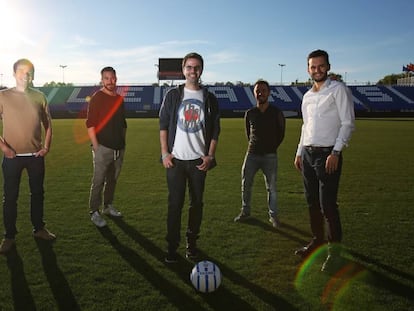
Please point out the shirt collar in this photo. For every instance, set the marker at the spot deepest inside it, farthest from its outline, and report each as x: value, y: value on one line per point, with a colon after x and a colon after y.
x: 324, y: 85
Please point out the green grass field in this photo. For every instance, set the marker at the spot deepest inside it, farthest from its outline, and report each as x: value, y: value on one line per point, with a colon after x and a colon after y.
x: 121, y: 267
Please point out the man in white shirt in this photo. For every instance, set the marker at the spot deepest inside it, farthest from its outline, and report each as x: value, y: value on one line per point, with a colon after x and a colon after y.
x: 328, y: 121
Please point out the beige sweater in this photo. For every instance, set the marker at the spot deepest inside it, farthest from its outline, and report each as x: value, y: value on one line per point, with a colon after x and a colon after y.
x: 23, y: 114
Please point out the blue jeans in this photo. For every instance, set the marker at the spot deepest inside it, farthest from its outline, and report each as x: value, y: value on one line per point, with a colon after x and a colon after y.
x: 177, y: 178
x: 321, y: 192
x: 107, y: 165
x: 12, y: 173
x: 268, y: 164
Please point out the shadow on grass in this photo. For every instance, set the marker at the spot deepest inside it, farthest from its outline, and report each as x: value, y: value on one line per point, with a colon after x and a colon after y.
x: 261, y: 293
x: 22, y: 297
x: 358, y: 268
x: 282, y: 230
x: 59, y: 285
x: 174, y: 294
x: 286, y: 226
x: 223, y: 298
x: 385, y: 279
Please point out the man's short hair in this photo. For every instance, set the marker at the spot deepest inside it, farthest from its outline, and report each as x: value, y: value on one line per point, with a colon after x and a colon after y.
x: 108, y: 68
x: 261, y: 81
x: 193, y: 55
x: 319, y: 53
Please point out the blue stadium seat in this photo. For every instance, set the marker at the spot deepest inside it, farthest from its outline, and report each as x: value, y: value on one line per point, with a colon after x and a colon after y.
x: 232, y: 99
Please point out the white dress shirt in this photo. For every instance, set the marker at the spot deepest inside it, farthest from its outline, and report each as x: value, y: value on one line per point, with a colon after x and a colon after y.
x: 328, y: 117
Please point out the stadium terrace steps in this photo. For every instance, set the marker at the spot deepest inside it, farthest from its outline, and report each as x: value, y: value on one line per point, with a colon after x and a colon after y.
x: 232, y: 99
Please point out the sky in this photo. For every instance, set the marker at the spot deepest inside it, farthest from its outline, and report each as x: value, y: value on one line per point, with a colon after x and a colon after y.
x: 239, y: 40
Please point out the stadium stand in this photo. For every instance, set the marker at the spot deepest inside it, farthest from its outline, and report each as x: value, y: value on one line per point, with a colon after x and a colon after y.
x: 145, y: 101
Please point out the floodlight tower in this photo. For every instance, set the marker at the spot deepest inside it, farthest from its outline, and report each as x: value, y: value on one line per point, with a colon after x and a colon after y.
x: 281, y: 73
x: 63, y: 72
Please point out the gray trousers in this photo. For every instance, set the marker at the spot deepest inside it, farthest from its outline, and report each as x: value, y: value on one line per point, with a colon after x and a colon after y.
x: 107, y: 165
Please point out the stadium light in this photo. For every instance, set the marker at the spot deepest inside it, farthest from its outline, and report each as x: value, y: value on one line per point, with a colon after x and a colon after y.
x: 281, y: 73
x: 63, y: 72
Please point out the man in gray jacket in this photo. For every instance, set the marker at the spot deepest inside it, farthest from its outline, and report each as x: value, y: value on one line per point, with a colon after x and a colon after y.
x: 189, y: 129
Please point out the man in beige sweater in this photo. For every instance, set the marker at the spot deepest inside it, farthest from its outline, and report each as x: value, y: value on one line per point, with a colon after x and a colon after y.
x: 24, y: 111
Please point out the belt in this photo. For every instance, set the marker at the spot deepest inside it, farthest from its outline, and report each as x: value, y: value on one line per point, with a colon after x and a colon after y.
x: 318, y: 148
x: 29, y: 154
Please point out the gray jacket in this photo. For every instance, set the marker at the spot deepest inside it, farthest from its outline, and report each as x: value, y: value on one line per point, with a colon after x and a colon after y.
x: 168, y: 115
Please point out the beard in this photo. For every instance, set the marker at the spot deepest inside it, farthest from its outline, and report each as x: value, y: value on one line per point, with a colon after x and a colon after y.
x: 261, y: 100
x: 110, y: 87
x: 321, y: 78
x: 193, y: 79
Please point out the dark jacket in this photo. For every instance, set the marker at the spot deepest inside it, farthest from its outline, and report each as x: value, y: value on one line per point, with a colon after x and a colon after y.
x: 168, y: 115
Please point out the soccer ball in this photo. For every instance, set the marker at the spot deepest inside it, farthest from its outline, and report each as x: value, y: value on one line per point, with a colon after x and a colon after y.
x: 205, y: 276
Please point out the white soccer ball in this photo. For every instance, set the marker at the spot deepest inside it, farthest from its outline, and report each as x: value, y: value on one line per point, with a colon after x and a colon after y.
x: 205, y: 276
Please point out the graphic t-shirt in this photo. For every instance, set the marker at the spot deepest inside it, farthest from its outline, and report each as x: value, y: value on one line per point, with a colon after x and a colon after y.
x: 189, y: 139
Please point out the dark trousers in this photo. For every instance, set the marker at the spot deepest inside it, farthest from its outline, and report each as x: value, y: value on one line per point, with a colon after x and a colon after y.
x: 12, y: 172
x: 178, y: 176
x: 321, y: 192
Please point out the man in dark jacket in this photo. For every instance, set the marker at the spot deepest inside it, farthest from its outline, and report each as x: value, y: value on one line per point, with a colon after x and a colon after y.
x: 189, y: 130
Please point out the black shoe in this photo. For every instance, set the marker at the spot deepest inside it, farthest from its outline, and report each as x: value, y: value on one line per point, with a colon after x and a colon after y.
x: 307, y: 250
x: 241, y: 217
x: 171, y: 257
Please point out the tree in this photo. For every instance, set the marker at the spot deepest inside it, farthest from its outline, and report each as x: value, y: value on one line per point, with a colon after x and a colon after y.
x: 335, y: 76
x: 392, y: 78
x: 56, y: 84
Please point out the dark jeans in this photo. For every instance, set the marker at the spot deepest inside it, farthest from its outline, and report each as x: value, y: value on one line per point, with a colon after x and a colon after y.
x: 321, y: 192
x: 177, y: 178
x: 12, y: 172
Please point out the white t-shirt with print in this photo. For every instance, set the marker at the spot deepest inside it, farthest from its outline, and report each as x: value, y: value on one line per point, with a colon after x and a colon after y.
x: 189, y: 143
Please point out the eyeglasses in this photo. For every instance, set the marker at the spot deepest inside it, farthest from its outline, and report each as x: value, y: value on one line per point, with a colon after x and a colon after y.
x: 189, y: 68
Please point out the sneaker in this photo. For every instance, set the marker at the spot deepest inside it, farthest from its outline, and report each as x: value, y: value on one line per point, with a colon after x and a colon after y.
x: 171, y: 257
x: 110, y: 210
x: 7, y: 245
x: 309, y: 249
x: 241, y: 217
x: 98, y: 220
x: 275, y: 222
x: 44, y: 234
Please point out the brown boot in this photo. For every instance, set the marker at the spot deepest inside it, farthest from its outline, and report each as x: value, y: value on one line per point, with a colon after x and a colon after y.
x: 44, y: 234
x: 7, y: 245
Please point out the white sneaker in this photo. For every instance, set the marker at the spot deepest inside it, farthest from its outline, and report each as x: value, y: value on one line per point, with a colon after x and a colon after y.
x: 110, y: 210
x: 98, y: 220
